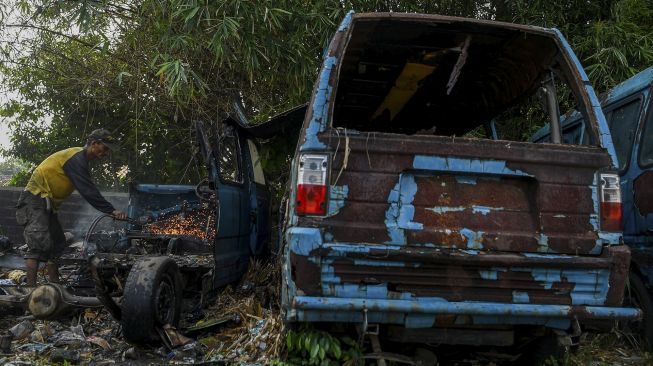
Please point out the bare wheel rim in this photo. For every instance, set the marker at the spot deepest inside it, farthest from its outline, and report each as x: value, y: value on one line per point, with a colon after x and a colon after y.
x: 164, y: 301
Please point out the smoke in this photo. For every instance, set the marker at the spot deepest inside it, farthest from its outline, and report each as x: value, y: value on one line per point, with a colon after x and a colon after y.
x: 76, y: 215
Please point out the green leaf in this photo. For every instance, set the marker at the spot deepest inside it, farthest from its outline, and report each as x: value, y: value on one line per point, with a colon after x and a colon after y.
x: 337, y: 352
x: 314, y: 350
x: 289, y: 342
x: 121, y: 75
x: 191, y: 14
x: 298, y: 341
x: 325, y: 342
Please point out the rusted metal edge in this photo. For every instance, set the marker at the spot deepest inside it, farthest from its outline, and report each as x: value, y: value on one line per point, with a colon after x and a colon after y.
x: 455, y: 256
x: 435, y: 18
x: 424, y: 306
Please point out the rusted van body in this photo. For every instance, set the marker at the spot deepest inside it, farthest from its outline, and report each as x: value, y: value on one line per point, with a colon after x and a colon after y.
x: 407, y: 209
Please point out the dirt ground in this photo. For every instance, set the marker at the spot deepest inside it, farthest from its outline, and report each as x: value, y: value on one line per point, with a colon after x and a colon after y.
x: 242, y: 326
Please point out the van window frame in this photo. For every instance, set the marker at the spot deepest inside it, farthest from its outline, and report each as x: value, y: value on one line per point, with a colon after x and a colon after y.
x: 644, y: 125
x: 568, y: 68
x: 239, y: 162
x: 609, y: 109
x: 580, y: 124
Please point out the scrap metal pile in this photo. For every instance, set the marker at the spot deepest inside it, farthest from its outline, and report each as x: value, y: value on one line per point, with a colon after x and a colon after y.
x: 199, y: 223
x: 243, y: 325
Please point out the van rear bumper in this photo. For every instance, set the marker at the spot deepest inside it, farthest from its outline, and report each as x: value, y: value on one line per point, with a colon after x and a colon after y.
x: 421, y: 286
x: 308, y: 304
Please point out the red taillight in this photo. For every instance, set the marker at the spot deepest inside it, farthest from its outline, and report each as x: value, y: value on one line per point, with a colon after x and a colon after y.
x: 610, y: 203
x: 311, y: 197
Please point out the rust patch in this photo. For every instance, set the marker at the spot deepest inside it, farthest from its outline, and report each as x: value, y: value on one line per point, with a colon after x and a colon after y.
x: 305, y: 274
x: 546, y: 210
x: 618, y: 274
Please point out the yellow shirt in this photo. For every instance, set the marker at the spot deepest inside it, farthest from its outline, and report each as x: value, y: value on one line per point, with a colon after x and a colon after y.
x: 49, y: 179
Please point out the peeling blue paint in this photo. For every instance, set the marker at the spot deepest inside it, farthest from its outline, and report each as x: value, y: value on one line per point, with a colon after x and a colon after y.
x: 474, y: 238
x: 328, y: 236
x: 594, y: 216
x: 340, y: 249
x: 462, y: 179
x: 320, y: 108
x: 597, y: 248
x: 477, y: 166
x: 519, y: 297
x: 610, y: 237
x: 445, y: 209
x: 548, y: 256
x: 345, y: 22
x: 604, y: 131
x: 392, y: 216
x: 484, y: 210
x: 543, y: 244
x: 590, y: 286
x: 380, y: 263
x: 337, y: 197
x: 546, y: 277
x: 491, y: 274
x: 399, y: 216
x: 407, y: 210
x: 303, y: 240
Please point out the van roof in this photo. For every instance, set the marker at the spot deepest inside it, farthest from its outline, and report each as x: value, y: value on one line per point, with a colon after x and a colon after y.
x: 458, y: 21
x: 639, y: 81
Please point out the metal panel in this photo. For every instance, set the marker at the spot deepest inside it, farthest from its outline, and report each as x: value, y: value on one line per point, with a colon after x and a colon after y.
x: 414, y: 190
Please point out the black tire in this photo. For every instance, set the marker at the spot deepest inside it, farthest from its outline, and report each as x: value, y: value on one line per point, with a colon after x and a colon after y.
x: 637, y: 295
x: 152, y: 298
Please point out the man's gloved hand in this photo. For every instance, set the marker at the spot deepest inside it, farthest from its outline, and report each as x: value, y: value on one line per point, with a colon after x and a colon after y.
x: 117, y: 214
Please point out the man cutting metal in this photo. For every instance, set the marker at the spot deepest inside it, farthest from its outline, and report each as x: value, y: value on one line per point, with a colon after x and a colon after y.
x: 50, y: 184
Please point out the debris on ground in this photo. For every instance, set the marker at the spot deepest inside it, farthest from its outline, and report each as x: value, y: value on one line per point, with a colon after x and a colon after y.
x: 259, y: 336
x: 241, y: 325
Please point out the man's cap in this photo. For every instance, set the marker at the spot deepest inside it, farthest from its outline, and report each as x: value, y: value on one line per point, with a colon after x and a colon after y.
x: 105, y: 137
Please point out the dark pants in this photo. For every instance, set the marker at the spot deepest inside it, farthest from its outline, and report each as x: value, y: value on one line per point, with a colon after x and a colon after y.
x: 43, y: 233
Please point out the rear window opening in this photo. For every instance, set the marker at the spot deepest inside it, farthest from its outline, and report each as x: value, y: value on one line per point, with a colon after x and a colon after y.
x: 462, y: 79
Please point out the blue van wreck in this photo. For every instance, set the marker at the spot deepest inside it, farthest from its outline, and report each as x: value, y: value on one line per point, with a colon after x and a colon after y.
x: 403, y: 210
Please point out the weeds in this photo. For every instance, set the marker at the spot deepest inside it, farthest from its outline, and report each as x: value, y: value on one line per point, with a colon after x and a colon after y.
x: 315, y: 347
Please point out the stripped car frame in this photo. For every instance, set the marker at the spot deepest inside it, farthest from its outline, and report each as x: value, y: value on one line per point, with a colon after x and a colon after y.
x: 394, y: 219
x: 181, y: 243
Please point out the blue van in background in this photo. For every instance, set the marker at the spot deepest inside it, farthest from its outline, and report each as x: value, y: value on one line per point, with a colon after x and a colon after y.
x: 629, y: 112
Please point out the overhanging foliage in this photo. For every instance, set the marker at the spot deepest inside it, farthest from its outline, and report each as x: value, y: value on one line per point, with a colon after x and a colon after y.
x: 147, y: 68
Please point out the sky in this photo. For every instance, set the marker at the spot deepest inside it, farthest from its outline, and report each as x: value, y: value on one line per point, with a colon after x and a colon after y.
x: 4, y: 125
x: 4, y: 136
